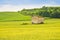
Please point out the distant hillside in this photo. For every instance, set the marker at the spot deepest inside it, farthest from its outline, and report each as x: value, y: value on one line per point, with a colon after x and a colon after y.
x: 12, y: 16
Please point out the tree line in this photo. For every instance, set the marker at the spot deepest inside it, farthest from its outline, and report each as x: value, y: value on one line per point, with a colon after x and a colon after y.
x: 53, y: 12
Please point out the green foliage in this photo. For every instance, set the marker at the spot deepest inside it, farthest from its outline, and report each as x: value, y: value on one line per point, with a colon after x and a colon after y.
x: 56, y: 14
x: 53, y: 12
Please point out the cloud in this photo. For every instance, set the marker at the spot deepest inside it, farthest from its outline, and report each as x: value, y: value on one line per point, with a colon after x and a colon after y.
x: 16, y: 7
x: 9, y: 7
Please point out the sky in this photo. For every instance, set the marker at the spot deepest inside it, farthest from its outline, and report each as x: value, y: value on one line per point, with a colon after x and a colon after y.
x: 16, y: 5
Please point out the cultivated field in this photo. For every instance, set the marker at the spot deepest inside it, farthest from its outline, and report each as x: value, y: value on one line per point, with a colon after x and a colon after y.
x: 15, y: 30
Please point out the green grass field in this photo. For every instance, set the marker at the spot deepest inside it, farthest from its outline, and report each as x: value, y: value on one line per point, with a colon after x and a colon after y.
x: 13, y: 16
x: 16, y: 31
x: 12, y: 28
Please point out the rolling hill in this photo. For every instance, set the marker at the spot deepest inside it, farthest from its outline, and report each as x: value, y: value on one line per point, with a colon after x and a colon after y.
x: 13, y: 16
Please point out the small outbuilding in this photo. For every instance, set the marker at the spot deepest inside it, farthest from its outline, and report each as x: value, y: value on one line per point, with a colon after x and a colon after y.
x: 37, y: 20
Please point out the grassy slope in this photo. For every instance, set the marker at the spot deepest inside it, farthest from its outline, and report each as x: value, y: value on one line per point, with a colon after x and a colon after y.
x: 11, y: 16
x: 15, y: 31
